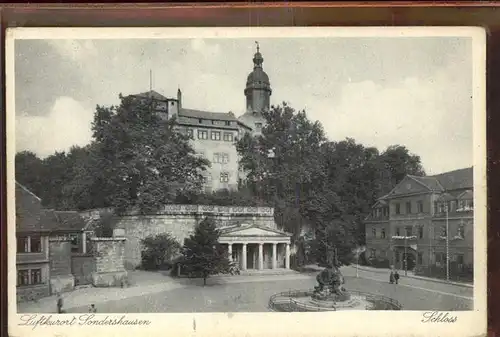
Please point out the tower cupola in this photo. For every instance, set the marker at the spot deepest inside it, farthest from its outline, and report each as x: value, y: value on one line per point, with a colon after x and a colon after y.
x: 258, y: 88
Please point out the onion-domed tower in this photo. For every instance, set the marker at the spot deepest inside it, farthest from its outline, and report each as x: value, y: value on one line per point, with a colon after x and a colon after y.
x: 258, y: 89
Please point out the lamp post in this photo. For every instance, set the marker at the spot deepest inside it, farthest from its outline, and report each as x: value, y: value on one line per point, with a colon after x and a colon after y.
x: 447, y: 246
x: 405, y: 261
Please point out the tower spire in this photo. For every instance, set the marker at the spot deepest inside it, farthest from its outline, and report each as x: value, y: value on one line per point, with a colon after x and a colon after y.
x: 257, y: 43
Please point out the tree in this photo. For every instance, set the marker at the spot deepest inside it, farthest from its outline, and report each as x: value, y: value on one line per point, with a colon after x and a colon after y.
x: 203, y: 254
x: 324, y: 186
x: 283, y: 164
x: 397, y: 162
x: 158, y: 250
x: 29, y: 171
x: 142, y: 160
x: 105, y: 225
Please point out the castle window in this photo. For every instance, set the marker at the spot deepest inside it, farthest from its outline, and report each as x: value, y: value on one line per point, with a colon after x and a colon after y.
x: 397, y: 231
x: 409, y: 231
x: 397, y: 208
x: 224, y: 177
x: 28, y: 244
x: 75, y: 243
x: 408, y: 207
x: 421, y: 232
x: 29, y: 276
x: 383, y: 233
x: 200, y: 121
x: 461, y: 231
x: 215, y: 135
x: 190, y: 133
x: 23, y: 245
x: 228, y: 137
x: 420, y: 206
x: 374, y: 232
x: 23, y: 277
x: 36, y: 276
x: 202, y: 134
x: 228, y: 123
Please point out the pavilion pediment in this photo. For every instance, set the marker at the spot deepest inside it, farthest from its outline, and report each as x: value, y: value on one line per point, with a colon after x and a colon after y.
x: 255, y: 231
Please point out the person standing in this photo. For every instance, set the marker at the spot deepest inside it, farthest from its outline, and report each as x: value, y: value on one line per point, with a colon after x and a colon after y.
x: 391, y: 277
x: 59, y: 304
x: 396, y: 277
x: 92, y: 309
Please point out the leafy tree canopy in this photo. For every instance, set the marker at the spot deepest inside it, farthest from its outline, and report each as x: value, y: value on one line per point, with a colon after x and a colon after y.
x: 203, y: 254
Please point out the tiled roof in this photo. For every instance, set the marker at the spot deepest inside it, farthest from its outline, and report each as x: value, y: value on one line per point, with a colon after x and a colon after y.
x: 430, y: 182
x: 221, y: 116
x: 455, y: 180
x: 28, y: 207
x: 189, y: 122
x: 48, y: 220
x: 468, y: 194
x: 31, y: 217
x: 70, y: 220
x: 152, y: 94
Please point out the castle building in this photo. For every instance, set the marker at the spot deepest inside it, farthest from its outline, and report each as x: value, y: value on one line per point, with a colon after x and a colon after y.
x: 424, y: 220
x: 214, y: 134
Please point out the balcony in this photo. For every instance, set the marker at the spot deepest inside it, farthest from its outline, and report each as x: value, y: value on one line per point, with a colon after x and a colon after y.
x: 401, y: 239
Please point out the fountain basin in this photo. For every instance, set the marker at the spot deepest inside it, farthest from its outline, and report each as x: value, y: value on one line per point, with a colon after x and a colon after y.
x: 301, y: 301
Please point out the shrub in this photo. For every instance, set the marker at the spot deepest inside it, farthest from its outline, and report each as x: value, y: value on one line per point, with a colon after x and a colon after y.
x: 105, y: 225
x: 158, y: 251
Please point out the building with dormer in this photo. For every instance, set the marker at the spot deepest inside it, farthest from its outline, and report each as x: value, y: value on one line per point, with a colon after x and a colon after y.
x: 422, y: 219
x: 214, y: 134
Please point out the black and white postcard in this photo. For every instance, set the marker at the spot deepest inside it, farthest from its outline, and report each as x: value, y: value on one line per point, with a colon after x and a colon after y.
x: 258, y: 181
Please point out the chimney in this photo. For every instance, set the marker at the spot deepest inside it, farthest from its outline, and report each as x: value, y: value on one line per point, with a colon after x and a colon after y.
x: 179, y: 98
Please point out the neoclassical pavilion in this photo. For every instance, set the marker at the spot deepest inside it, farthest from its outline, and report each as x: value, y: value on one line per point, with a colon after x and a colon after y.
x: 257, y: 247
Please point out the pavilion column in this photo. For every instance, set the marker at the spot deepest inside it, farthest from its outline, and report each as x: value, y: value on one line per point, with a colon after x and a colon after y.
x: 230, y: 251
x: 84, y: 242
x: 261, y: 256
x: 287, y: 256
x: 244, y: 257
x: 274, y: 256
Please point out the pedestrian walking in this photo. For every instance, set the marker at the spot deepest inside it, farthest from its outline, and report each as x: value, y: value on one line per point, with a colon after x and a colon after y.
x: 59, y: 304
x: 391, y: 277
x: 396, y: 276
x: 92, y: 309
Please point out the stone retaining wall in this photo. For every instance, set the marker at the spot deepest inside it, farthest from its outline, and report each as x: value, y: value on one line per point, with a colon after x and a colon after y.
x: 179, y: 221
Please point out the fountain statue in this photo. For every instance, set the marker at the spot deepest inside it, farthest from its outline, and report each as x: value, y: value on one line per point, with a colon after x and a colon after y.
x: 330, y: 295
x: 330, y: 286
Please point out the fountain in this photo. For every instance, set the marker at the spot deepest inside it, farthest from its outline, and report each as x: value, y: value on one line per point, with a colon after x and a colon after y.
x: 330, y: 295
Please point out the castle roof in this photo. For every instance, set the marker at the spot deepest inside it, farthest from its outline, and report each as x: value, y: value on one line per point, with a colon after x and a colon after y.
x: 221, y: 116
x: 456, y: 180
x: 152, y: 94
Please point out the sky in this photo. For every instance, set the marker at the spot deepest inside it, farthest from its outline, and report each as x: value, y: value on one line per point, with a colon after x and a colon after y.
x: 411, y: 91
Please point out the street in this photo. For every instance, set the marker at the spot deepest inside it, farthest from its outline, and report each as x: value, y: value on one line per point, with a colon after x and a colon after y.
x: 251, y: 294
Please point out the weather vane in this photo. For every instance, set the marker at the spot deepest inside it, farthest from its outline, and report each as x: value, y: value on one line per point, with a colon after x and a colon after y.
x: 257, y: 43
